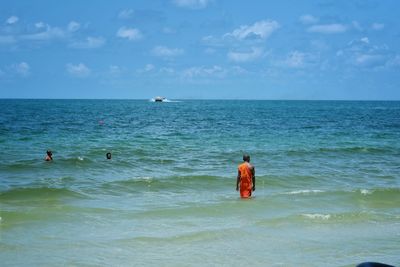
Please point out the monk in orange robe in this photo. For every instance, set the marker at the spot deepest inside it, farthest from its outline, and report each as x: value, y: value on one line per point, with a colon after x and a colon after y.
x: 246, y: 179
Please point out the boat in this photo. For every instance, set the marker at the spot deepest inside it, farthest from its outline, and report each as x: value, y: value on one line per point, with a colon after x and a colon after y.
x: 159, y: 99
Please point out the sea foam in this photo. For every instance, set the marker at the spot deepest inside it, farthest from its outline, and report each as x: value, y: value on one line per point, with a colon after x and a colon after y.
x: 317, y: 216
x: 306, y: 191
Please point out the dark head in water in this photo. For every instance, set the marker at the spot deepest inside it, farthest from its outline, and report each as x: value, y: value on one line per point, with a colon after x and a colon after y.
x: 373, y: 264
x: 108, y: 155
x: 246, y: 157
x: 49, y: 156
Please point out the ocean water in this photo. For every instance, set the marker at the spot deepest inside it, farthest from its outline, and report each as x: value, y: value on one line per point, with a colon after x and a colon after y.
x: 327, y: 183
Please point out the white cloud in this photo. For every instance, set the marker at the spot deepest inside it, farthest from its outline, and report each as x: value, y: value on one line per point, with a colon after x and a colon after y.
x: 365, y: 40
x: 370, y: 60
x: 47, y: 34
x: 308, y: 19
x: 149, y: 67
x: 211, y: 72
x: 259, y: 30
x: 298, y: 60
x: 361, y: 53
x: 395, y: 61
x: 79, y: 70
x: 126, y: 14
x: 255, y: 53
x: 22, y: 69
x: 90, y: 42
x: 12, y: 20
x: 42, y: 32
x: 73, y: 26
x: 328, y: 28
x: 193, y: 72
x: 212, y: 41
x: 377, y: 26
x: 40, y: 25
x: 192, y: 4
x: 165, y: 52
x: 131, y: 34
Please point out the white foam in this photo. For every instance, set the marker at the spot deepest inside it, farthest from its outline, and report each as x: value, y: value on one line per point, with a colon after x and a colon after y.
x: 306, y: 191
x: 365, y: 191
x: 317, y: 216
x: 80, y: 158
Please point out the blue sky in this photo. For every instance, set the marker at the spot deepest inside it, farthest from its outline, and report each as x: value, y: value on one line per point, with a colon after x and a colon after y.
x: 201, y: 49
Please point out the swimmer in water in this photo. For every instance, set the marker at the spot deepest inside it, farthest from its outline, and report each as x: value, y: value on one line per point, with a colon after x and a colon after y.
x: 49, y: 156
x: 108, y: 155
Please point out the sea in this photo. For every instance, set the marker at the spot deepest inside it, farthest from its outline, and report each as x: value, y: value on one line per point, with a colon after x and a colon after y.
x: 327, y: 183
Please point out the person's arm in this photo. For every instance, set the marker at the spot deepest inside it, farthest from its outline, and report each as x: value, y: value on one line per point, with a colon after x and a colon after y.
x: 253, y: 171
x: 237, y: 181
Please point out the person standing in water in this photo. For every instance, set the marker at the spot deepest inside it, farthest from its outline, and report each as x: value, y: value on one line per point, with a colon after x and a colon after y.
x: 49, y: 156
x: 246, y: 179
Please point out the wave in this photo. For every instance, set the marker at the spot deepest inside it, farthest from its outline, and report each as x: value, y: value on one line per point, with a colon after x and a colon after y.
x: 304, y: 191
x: 76, y: 160
x: 186, y: 237
x: 316, y: 216
x: 284, y: 181
x: 167, y: 183
x: 350, y: 217
x: 358, y: 149
x: 22, y: 165
x: 39, y: 163
x: 42, y: 193
x: 344, y: 150
x: 391, y: 193
x: 379, y: 197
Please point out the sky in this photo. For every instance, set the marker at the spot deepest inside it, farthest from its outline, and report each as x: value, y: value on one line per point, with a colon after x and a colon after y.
x: 200, y: 49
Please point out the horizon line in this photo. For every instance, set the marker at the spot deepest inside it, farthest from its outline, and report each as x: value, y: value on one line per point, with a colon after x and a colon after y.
x: 208, y: 99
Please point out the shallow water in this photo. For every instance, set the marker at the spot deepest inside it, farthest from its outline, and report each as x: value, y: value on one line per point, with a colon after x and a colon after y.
x: 328, y: 183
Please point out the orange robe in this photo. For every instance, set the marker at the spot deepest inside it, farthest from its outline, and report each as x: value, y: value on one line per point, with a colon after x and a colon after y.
x: 246, y: 181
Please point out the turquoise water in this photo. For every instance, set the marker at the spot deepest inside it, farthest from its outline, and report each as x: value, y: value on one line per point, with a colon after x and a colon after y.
x: 327, y: 190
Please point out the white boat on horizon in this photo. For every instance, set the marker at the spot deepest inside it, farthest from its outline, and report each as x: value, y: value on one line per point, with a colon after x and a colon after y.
x: 159, y: 99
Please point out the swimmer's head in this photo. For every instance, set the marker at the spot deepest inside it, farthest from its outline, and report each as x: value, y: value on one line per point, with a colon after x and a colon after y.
x: 246, y: 157
x: 49, y: 153
x: 108, y: 155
